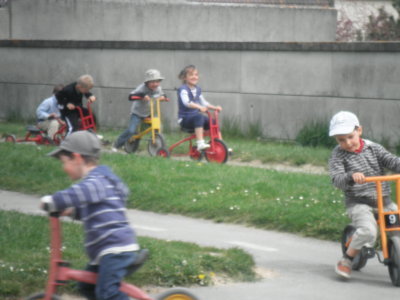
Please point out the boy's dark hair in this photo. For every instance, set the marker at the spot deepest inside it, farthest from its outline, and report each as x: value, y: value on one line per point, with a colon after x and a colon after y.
x: 87, y: 159
x: 58, y: 88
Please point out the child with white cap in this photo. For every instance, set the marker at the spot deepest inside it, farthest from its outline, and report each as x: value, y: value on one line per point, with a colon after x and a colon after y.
x: 351, y: 161
x: 150, y: 88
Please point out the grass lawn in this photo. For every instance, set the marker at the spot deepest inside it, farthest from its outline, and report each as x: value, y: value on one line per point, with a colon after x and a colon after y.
x: 24, y: 255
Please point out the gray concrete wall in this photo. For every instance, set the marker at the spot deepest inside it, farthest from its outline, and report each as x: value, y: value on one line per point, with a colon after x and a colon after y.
x: 281, y: 86
x: 167, y: 20
x: 4, y: 22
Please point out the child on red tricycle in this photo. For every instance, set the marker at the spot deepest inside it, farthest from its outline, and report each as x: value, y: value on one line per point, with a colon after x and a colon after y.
x: 194, y: 117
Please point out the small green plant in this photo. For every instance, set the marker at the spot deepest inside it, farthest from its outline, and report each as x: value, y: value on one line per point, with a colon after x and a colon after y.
x: 231, y: 127
x: 315, y: 134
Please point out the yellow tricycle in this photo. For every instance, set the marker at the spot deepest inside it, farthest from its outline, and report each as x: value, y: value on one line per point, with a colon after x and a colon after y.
x: 152, y: 125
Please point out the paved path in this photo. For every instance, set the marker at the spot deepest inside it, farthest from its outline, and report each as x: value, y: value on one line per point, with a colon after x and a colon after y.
x: 295, y: 267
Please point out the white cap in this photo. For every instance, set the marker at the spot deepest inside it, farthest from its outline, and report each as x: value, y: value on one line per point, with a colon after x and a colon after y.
x: 344, y: 122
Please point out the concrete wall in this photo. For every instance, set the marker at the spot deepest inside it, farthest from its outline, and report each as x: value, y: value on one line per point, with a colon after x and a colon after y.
x: 4, y: 22
x: 165, y: 20
x: 281, y: 86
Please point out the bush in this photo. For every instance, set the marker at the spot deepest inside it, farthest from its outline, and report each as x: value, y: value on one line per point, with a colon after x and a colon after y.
x: 315, y: 134
x: 383, y: 27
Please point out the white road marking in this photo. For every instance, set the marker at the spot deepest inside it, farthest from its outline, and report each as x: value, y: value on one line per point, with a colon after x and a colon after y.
x: 253, y: 246
x: 148, y: 228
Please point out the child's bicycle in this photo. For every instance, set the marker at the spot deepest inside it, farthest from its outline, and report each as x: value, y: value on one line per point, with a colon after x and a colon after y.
x: 40, y: 137
x: 151, y: 124
x: 60, y: 272
x: 389, y: 229
x: 217, y: 152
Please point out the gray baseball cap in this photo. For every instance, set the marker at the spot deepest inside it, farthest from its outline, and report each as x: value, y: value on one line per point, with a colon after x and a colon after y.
x: 82, y: 142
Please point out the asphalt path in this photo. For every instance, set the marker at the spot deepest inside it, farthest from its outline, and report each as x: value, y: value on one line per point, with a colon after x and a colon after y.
x: 293, y: 267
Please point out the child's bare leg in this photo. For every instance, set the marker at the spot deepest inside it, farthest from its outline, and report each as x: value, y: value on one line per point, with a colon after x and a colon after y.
x: 201, y: 145
x: 352, y: 252
x: 199, y: 133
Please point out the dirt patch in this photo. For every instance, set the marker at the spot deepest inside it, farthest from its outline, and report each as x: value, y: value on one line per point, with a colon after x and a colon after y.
x: 283, y: 167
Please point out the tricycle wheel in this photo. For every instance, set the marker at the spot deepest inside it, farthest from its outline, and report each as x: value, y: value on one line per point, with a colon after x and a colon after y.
x: 39, y: 296
x: 10, y: 138
x: 195, y: 154
x: 217, y: 153
x: 58, y: 138
x: 360, y: 260
x: 394, y: 260
x: 131, y: 147
x: 176, y: 294
x: 163, y: 152
x: 159, y: 142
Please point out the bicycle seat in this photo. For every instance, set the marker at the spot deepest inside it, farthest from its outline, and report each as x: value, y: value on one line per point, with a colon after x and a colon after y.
x: 147, y: 120
x: 33, y: 129
x: 187, y: 130
x: 141, y: 257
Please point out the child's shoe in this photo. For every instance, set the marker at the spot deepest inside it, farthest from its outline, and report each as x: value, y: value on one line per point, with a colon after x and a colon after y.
x: 343, y: 268
x: 201, y: 145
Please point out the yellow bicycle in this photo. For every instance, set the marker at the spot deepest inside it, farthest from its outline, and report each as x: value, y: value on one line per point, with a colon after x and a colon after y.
x: 151, y: 124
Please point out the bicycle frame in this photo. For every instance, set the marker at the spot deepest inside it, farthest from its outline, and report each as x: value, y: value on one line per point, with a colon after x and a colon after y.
x: 385, y: 217
x: 87, y: 122
x: 60, y: 272
x: 154, y: 121
x: 213, y: 133
x: 217, y: 152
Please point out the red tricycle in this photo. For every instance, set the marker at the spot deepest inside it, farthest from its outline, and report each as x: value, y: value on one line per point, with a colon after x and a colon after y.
x: 60, y: 272
x: 40, y: 137
x: 217, y: 152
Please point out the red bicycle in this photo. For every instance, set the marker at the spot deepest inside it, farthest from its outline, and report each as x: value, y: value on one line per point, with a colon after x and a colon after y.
x: 217, y: 152
x: 60, y: 273
x: 40, y: 137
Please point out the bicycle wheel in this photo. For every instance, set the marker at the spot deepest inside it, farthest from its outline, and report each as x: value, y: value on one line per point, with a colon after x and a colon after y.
x: 131, y: 147
x: 163, y: 152
x: 195, y: 154
x: 394, y: 260
x: 39, y: 296
x: 159, y: 143
x: 218, y: 153
x: 10, y: 138
x: 176, y: 294
x: 360, y: 260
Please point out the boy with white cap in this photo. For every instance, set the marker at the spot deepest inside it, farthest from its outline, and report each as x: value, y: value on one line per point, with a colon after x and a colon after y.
x: 351, y: 161
x: 150, y: 88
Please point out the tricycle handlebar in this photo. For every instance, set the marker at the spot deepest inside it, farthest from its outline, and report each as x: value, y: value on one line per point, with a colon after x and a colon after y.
x: 383, y: 178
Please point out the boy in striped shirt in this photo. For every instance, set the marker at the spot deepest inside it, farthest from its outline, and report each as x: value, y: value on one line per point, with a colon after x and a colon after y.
x: 98, y: 200
x: 351, y: 161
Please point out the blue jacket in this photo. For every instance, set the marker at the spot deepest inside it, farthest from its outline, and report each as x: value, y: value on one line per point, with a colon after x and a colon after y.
x: 99, y: 200
x: 47, y: 107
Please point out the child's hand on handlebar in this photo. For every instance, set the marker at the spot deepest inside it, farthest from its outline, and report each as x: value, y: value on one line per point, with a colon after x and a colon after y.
x: 218, y: 108
x: 70, y: 106
x: 146, y: 98
x: 92, y: 98
x: 358, y: 178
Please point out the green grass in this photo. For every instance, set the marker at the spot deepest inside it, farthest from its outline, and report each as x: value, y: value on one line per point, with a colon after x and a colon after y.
x: 293, y: 202
x: 25, y: 252
x: 244, y: 149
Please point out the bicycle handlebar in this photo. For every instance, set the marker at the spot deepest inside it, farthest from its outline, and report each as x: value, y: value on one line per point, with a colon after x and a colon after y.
x: 382, y: 178
x: 135, y: 98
